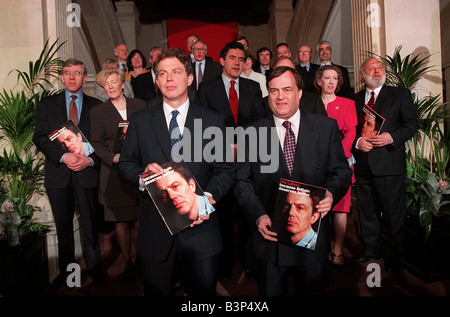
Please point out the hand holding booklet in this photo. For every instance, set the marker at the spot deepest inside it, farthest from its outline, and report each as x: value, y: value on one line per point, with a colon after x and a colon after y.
x: 177, y: 196
x: 71, y: 139
x: 296, y: 219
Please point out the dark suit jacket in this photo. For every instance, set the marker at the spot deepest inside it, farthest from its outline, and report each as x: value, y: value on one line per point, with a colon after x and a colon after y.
x: 212, y: 70
x: 309, y: 102
x: 144, y: 88
x: 319, y: 160
x: 148, y: 142
x: 396, y: 106
x: 50, y: 115
x: 104, y: 126
x: 308, y: 76
x: 257, y: 69
x: 212, y: 94
x: 346, y: 90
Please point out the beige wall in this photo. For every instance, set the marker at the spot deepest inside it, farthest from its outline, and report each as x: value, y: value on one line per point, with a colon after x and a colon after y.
x: 25, y: 43
x: 402, y: 28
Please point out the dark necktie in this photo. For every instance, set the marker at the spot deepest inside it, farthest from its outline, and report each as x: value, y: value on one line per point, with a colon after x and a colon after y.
x: 289, y: 146
x: 73, y: 111
x: 371, y: 102
x: 124, y: 68
x: 175, y: 134
x: 234, y: 101
x: 200, y: 75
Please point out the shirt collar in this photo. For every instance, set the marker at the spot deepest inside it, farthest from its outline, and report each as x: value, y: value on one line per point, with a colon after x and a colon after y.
x: 294, y: 120
x: 183, y: 109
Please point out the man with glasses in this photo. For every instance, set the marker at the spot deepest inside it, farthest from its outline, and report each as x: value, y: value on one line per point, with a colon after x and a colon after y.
x: 70, y: 178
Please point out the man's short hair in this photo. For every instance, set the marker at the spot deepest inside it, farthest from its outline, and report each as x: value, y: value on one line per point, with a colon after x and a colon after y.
x: 177, y: 53
x: 262, y: 49
x: 229, y: 46
x: 74, y: 62
x: 277, y: 72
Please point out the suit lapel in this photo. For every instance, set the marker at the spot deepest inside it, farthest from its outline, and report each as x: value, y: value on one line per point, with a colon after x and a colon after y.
x: 306, y: 140
x: 61, y: 109
x: 282, y: 171
x: 222, y: 96
x: 159, y: 126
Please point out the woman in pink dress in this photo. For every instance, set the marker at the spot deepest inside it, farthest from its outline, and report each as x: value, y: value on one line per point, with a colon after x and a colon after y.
x: 328, y: 81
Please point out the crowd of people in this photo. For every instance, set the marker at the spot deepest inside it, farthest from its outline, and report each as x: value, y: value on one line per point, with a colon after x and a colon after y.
x: 316, y: 118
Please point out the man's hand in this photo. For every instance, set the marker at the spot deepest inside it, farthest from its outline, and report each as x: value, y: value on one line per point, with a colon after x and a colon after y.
x: 76, y: 162
x: 382, y: 139
x: 200, y: 220
x: 264, y: 224
x: 324, y: 206
x: 365, y: 145
x: 153, y: 168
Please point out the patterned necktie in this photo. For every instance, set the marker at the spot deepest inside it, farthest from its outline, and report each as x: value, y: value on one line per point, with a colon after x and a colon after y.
x: 123, y: 67
x: 289, y: 146
x: 200, y: 75
x: 234, y: 101
x: 175, y: 134
x: 73, y: 111
x: 371, y: 102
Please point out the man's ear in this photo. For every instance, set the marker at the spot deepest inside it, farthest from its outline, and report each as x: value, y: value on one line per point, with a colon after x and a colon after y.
x: 315, y: 216
x: 191, y: 183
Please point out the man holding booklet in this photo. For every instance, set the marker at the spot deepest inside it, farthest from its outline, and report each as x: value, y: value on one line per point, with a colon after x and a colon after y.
x: 153, y: 138
x: 310, y: 152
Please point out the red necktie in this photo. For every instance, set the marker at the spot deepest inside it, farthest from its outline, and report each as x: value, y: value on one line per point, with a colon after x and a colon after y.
x: 73, y: 111
x: 234, y: 101
x: 289, y: 146
x: 371, y: 102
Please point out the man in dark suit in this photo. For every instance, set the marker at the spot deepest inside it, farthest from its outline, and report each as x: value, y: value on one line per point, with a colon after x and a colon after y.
x: 381, y: 165
x: 194, y: 250
x: 215, y: 94
x: 306, y: 69
x: 203, y: 69
x: 70, y: 179
x: 324, y: 52
x: 263, y: 58
x: 316, y: 158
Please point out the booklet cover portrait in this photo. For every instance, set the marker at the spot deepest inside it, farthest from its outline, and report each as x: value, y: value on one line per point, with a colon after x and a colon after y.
x: 370, y: 122
x: 177, y: 195
x: 120, y: 136
x: 71, y: 139
x: 296, y: 219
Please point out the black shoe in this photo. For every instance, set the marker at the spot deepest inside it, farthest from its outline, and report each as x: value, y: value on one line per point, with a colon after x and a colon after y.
x: 366, y: 258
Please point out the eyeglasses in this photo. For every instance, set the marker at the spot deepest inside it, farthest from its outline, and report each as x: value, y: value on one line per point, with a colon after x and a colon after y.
x: 69, y: 73
x: 199, y: 49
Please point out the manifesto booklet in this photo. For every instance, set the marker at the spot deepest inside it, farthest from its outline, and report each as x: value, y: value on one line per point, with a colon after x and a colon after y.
x: 120, y: 136
x: 370, y: 122
x: 177, y: 195
x: 71, y: 139
x: 296, y: 219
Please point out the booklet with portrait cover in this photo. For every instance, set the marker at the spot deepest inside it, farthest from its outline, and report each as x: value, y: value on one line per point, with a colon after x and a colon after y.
x: 295, y: 218
x: 120, y: 136
x: 71, y: 139
x: 177, y: 195
x: 370, y: 122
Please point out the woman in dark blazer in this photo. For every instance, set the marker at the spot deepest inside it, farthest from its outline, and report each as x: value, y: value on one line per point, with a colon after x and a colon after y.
x: 117, y: 197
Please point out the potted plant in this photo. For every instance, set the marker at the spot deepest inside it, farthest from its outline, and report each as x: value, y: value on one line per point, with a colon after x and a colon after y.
x: 22, y: 238
x: 427, y: 223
